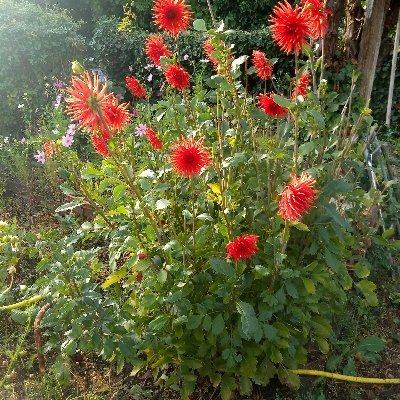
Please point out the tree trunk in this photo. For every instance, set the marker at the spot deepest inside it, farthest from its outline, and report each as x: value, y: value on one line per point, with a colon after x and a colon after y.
x: 354, y: 19
x: 337, y: 9
x: 370, y: 44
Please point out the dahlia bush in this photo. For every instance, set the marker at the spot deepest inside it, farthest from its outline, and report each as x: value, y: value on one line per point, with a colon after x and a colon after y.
x: 227, y: 229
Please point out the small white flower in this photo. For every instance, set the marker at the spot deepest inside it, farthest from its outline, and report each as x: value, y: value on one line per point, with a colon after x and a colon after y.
x: 150, y: 77
x: 21, y: 105
x: 55, y: 131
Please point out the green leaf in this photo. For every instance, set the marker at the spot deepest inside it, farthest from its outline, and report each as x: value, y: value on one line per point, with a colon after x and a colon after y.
x: 222, y: 267
x: 205, y: 217
x: 114, y: 277
x: 228, y: 386
x: 368, y: 290
x: 281, y: 101
x: 199, y: 25
x: 249, y: 322
x: 361, y: 270
x: 194, y: 321
x: 289, y: 378
x: 158, y: 323
x: 162, y: 204
x: 371, y: 344
x: 218, y: 325
x: 319, y: 118
x: 309, y: 285
x: 90, y: 172
x: 306, y: 148
x: 70, y: 206
x: 68, y: 347
x: 323, y: 345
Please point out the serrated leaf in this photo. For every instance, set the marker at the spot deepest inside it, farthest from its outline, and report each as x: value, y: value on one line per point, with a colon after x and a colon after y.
x: 306, y: 148
x: 281, y: 101
x: 371, y: 344
x: 300, y: 226
x: 70, y: 206
x: 158, y: 323
x: 361, y: 270
x: 114, y: 277
x: 228, y: 386
x: 319, y: 118
x: 222, y: 267
x: 249, y: 322
x: 194, y: 321
x: 368, y: 290
x: 218, y: 325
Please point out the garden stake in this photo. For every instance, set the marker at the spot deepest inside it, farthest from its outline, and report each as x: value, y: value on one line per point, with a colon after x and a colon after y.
x: 38, y: 337
x: 348, y: 378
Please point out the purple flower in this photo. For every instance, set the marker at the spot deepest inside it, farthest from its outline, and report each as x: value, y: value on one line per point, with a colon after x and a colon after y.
x: 135, y: 113
x: 150, y: 77
x: 71, y: 129
x: 130, y: 68
x: 67, y: 140
x: 186, y: 57
x: 119, y: 96
x: 58, y: 84
x: 58, y: 101
x: 158, y: 94
x: 40, y: 157
x: 141, y: 130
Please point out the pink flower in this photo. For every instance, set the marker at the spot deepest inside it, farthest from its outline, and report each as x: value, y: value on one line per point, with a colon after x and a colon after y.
x: 67, y: 140
x: 40, y: 157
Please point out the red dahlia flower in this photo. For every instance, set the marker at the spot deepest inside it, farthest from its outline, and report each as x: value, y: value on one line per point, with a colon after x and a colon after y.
x: 262, y: 65
x: 268, y: 105
x: 156, y: 48
x: 189, y: 157
x: 290, y: 27
x: 297, y: 198
x: 208, y: 50
x: 300, y: 87
x: 172, y: 16
x: 177, y: 76
x: 153, y: 139
x: 242, y: 247
x: 135, y: 87
x: 116, y: 115
x: 87, y: 101
x: 99, y: 142
x: 318, y: 16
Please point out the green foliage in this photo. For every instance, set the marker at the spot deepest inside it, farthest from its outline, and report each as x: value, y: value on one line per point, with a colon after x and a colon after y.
x: 114, y: 51
x: 35, y: 45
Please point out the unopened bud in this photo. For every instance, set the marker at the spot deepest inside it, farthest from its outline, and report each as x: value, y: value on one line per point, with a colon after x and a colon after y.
x: 141, y: 254
x: 77, y: 68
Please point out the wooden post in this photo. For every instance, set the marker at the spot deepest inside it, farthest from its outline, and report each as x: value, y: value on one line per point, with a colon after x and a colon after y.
x: 393, y: 72
x: 370, y: 44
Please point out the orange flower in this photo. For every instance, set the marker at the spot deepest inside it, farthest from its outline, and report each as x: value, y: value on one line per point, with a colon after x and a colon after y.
x: 135, y: 87
x: 189, y: 157
x: 156, y: 48
x: 290, y: 27
x: 87, y: 101
x: 172, y: 16
x: 267, y: 103
x: 177, y: 76
x: 300, y: 87
x: 297, y: 198
x: 100, y: 142
x: 116, y: 115
x: 262, y: 65
x: 318, y: 16
x: 208, y: 50
x: 153, y: 139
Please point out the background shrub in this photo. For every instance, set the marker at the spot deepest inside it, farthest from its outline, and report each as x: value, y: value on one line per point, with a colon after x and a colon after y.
x: 35, y: 45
